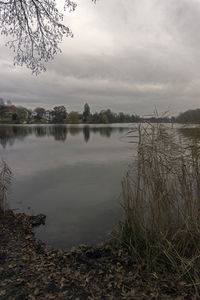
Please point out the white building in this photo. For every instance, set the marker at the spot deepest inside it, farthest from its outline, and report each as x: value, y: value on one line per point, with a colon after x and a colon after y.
x: 48, y: 115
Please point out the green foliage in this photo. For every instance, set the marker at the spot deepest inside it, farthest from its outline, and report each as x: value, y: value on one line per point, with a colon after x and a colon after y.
x: 40, y: 112
x: 105, y: 119
x: 86, y: 112
x: 22, y: 113
x: 59, y: 113
x: 107, y: 116
x: 73, y: 117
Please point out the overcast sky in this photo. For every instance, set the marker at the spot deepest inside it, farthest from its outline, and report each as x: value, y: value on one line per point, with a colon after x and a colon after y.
x: 126, y: 55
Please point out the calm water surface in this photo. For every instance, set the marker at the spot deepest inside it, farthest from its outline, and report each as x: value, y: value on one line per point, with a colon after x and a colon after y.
x: 72, y: 174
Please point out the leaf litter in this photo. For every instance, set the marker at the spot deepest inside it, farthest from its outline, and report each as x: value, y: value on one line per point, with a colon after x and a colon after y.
x: 29, y: 270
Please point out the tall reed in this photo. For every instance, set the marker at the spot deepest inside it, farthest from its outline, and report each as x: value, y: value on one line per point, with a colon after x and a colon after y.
x: 161, y: 202
x: 5, y: 181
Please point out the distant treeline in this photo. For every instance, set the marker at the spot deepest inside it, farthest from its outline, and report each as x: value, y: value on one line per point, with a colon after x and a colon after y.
x: 10, y: 113
x: 189, y: 116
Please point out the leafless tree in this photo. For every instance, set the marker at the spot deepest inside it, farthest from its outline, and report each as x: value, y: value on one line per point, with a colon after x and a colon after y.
x: 36, y: 28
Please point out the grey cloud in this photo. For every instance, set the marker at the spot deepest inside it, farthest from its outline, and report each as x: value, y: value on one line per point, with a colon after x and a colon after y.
x: 126, y: 55
x: 138, y: 67
x: 183, y: 20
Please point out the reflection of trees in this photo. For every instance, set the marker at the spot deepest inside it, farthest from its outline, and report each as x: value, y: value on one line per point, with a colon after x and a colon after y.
x: 9, y: 134
x: 191, y: 133
x: 106, y: 131
x: 6, y: 137
x: 121, y: 129
x: 60, y: 133
x: 86, y: 133
x: 94, y: 130
x: 40, y: 131
x: 74, y: 130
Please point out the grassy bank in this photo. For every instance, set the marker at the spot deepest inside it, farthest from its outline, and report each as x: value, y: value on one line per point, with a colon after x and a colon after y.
x: 161, y: 203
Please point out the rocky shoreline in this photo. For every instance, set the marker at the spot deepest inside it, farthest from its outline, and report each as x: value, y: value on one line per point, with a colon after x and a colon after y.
x: 28, y: 270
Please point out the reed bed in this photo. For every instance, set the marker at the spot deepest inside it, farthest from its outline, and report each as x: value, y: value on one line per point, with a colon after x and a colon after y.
x: 161, y: 203
x: 5, y: 181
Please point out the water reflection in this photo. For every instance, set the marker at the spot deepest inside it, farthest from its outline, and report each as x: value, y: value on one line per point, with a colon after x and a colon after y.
x: 86, y: 133
x: 9, y: 134
x: 70, y: 173
x: 192, y: 133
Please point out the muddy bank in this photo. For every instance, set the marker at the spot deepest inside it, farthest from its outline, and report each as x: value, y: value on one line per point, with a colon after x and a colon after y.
x: 28, y: 270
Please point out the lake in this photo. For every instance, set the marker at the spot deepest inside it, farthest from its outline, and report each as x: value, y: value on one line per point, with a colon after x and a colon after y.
x: 70, y: 173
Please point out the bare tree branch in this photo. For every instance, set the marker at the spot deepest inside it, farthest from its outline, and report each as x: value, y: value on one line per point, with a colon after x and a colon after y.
x: 36, y: 29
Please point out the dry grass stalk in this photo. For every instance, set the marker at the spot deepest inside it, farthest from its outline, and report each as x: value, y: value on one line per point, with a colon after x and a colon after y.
x: 5, y: 181
x: 161, y: 201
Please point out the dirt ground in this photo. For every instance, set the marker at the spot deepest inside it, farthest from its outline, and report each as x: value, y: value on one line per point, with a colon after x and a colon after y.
x: 28, y: 270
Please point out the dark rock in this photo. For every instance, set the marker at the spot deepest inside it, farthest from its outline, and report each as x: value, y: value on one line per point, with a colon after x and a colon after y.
x: 2, y: 256
x: 37, y: 220
x: 94, y: 253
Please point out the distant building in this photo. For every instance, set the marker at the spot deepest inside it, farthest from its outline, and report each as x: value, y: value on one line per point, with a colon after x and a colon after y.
x: 48, y: 115
x: 26, y: 114
x: 33, y: 114
x: 9, y: 111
